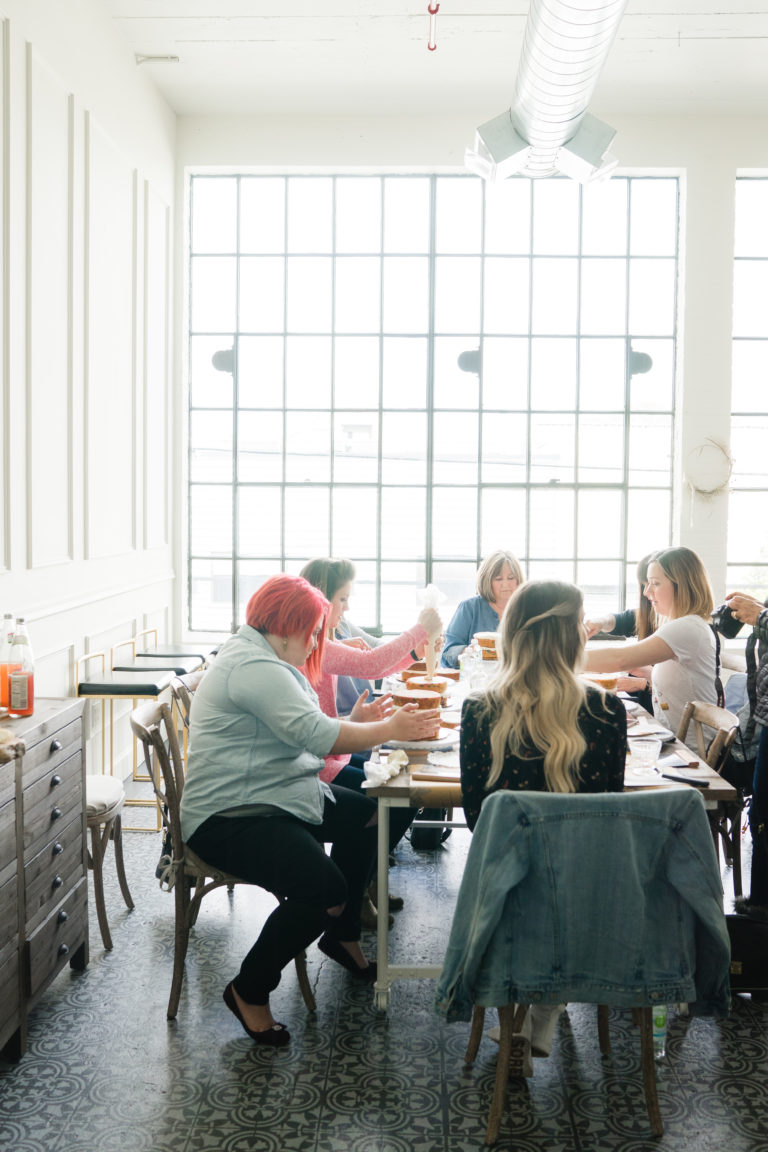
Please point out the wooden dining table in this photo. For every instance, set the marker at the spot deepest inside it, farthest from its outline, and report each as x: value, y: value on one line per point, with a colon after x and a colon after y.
x: 432, y: 780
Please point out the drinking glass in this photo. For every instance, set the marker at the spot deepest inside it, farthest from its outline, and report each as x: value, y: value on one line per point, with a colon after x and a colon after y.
x: 644, y: 755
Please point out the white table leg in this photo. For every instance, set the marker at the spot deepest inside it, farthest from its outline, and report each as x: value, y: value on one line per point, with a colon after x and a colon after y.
x: 381, y: 987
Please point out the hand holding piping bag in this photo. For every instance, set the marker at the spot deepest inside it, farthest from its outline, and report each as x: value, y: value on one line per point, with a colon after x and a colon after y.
x: 429, y: 618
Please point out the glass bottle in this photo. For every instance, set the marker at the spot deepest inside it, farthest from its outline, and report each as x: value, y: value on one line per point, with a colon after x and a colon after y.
x: 5, y: 656
x: 21, y: 673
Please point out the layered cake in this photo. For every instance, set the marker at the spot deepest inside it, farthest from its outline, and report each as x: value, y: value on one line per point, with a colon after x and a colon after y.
x: 439, y: 684
x: 488, y: 644
x: 423, y: 700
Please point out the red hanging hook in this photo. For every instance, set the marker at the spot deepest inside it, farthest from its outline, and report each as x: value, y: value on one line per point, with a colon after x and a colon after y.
x: 433, y: 10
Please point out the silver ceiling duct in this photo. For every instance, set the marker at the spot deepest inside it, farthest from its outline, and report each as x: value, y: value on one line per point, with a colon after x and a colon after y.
x: 548, y: 129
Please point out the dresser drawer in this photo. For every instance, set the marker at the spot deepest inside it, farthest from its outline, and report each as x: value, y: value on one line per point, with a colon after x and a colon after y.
x: 56, y: 746
x: 7, y: 780
x: 57, y: 939
x: 9, y: 907
x: 50, y: 803
x: 9, y: 987
x: 50, y: 875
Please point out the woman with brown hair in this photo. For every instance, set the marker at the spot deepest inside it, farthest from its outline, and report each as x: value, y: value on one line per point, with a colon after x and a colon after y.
x: 497, y: 578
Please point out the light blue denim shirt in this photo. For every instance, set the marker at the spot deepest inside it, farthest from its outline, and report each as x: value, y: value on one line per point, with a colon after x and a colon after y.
x: 256, y: 736
x: 639, y: 868
x: 473, y: 615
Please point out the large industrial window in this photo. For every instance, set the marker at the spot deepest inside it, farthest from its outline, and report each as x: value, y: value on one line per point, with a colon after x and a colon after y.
x: 747, y: 517
x: 411, y: 371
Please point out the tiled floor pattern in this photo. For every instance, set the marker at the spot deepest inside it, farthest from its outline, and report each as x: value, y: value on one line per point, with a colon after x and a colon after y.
x: 105, y: 1070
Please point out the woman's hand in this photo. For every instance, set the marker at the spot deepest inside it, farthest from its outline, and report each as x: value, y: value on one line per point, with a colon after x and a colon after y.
x: 430, y: 621
x: 744, y: 607
x: 356, y: 642
x: 631, y: 683
x: 601, y: 624
x: 408, y: 723
x: 368, y: 711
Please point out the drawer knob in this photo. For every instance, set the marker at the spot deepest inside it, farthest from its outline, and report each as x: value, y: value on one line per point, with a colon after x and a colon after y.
x: 57, y: 849
x: 63, y: 950
x: 57, y: 882
x: 62, y: 917
x: 56, y: 746
x: 55, y: 814
x: 55, y: 781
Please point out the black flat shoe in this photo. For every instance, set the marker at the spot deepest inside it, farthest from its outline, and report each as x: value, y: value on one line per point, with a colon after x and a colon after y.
x: 275, y: 1037
x: 336, y: 951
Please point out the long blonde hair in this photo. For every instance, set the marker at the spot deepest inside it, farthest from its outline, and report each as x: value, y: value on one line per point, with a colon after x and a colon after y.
x: 535, y: 698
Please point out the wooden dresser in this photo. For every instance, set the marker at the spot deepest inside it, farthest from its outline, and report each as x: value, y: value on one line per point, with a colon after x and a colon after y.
x: 43, y: 862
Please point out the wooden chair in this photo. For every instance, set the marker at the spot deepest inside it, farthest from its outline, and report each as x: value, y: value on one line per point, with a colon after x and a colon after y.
x: 187, y: 875
x: 104, y: 799
x: 715, y: 751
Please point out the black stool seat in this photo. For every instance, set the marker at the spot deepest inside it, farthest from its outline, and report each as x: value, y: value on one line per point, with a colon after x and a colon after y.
x: 138, y: 683
x: 179, y: 665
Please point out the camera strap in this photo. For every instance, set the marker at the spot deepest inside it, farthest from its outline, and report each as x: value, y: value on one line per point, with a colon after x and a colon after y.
x: 718, y: 682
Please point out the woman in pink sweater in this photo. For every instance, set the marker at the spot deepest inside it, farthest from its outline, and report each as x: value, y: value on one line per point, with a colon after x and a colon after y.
x: 354, y: 657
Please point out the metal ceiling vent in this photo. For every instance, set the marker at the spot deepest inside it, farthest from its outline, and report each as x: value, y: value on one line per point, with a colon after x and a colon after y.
x: 548, y: 129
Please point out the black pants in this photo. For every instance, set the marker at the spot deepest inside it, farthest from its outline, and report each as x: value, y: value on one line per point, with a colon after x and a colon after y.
x: 287, y: 857
x: 758, y: 824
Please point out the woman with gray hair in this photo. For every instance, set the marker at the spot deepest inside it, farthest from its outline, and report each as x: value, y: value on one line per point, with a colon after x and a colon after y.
x: 497, y: 578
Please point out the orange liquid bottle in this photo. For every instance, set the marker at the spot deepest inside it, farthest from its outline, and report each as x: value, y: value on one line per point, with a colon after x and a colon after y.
x: 21, y: 674
x: 6, y: 639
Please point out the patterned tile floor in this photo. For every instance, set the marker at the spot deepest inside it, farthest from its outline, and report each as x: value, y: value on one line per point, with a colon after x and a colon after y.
x: 105, y: 1070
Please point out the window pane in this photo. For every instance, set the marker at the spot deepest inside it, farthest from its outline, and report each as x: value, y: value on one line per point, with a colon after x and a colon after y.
x: 553, y: 448
x: 355, y: 522
x: 454, y: 388
x: 405, y: 373
x: 649, y: 518
x: 503, y: 521
x: 358, y: 214
x: 751, y: 219
x: 458, y: 218
x: 505, y: 373
x: 554, y: 297
x: 750, y: 375
x: 307, y: 526
x: 210, y: 519
x: 506, y: 297
x: 310, y: 214
x: 749, y: 436
x: 406, y: 294
x: 208, y: 388
x: 600, y: 524
x: 654, y: 391
x: 358, y: 289
x: 508, y: 216
x: 400, y: 583
x: 260, y: 447
x: 747, y: 529
x: 553, y: 374
x: 308, y: 371
x: 457, y: 581
x: 406, y: 215
x: 308, y: 296
x: 455, y: 447
x: 260, y: 519
x: 603, y: 297
x: 251, y: 574
x: 601, y: 584
x: 749, y: 578
x: 650, y: 450
x: 211, y: 594
x: 604, y: 218
x: 653, y: 218
x: 403, y: 523
x: 214, y: 215
x: 260, y: 371
x: 457, y: 294
x: 262, y: 214
x: 262, y: 287
x: 307, y: 447
x: 356, y: 372
x: 601, y: 448
x: 652, y: 297
x: 552, y: 523
x: 555, y: 217
x: 356, y: 447
x: 454, y: 521
x: 404, y: 448
x: 602, y: 373
x: 750, y: 285
x: 212, y: 290
x: 505, y: 443
x: 210, y: 446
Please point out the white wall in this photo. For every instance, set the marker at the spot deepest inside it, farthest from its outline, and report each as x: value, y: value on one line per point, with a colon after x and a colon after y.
x: 707, y: 156
x: 86, y: 200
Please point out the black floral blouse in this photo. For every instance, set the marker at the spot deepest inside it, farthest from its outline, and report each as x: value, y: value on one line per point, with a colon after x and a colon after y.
x: 603, y: 721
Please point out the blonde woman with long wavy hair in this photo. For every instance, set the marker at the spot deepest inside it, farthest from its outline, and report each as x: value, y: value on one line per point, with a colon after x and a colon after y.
x: 539, y: 727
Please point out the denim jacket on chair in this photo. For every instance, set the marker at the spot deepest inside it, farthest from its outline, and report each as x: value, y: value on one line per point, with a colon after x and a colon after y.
x: 611, y: 898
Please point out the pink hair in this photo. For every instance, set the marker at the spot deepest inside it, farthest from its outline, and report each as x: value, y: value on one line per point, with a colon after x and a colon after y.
x: 287, y: 605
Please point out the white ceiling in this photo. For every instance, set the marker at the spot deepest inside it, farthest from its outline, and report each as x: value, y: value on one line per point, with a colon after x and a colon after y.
x: 370, y: 57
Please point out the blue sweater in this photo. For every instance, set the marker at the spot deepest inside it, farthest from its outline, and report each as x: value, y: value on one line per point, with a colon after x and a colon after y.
x: 473, y: 615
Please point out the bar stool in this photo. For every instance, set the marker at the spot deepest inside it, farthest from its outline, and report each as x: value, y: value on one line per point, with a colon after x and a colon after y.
x: 172, y: 648
x: 104, y: 798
